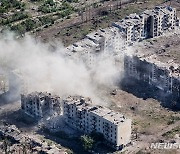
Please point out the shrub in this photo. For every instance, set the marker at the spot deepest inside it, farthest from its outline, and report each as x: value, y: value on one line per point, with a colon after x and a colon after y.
x: 87, y: 142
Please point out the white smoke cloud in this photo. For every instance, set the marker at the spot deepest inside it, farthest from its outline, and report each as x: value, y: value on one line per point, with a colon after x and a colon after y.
x: 45, y: 70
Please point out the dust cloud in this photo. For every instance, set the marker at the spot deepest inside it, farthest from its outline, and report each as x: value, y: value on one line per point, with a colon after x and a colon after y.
x: 45, y: 70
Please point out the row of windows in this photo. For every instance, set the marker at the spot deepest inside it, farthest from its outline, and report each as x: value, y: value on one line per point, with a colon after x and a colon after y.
x: 27, y: 106
x: 32, y: 112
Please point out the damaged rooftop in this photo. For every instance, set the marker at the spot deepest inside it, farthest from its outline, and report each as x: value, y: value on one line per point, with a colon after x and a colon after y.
x: 162, y: 51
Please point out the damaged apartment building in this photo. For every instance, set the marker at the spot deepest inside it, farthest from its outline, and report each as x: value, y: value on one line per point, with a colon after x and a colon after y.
x: 163, y: 74
x: 96, y: 44
x: 131, y: 29
x: 159, y: 76
x: 149, y: 24
x: 11, y: 83
x: 40, y: 105
x: 80, y: 113
x: 4, y: 84
x: 162, y: 77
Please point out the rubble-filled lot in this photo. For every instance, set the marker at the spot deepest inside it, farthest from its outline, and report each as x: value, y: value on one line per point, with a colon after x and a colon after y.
x: 165, y: 47
x: 13, y: 141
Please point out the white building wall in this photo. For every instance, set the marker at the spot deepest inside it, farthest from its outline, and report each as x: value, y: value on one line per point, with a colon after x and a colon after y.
x: 36, y: 106
x: 124, y: 132
x: 92, y: 122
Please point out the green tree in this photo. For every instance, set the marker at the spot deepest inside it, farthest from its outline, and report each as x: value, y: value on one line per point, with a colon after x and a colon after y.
x: 87, y: 142
x: 29, y: 24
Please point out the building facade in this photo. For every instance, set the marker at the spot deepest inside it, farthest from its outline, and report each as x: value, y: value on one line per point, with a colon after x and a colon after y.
x: 166, y: 78
x: 4, y: 84
x: 79, y: 113
x: 82, y: 115
x: 96, y: 45
x: 149, y: 24
x: 40, y: 104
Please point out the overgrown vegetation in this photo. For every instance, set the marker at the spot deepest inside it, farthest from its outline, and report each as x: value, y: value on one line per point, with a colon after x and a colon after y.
x: 15, y: 17
x: 50, y: 6
x: 6, y: 5
x: 92, y: 140
x: 87, y: 142
x: 25, y: 26
x: 173, y: 119
x: 46, y: 20
x: 30, y: 24
x: 71, y: 1
x: 172, y: 132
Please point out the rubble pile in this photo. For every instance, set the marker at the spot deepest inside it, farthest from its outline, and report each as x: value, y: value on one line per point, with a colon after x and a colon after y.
x: 13, y: 141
